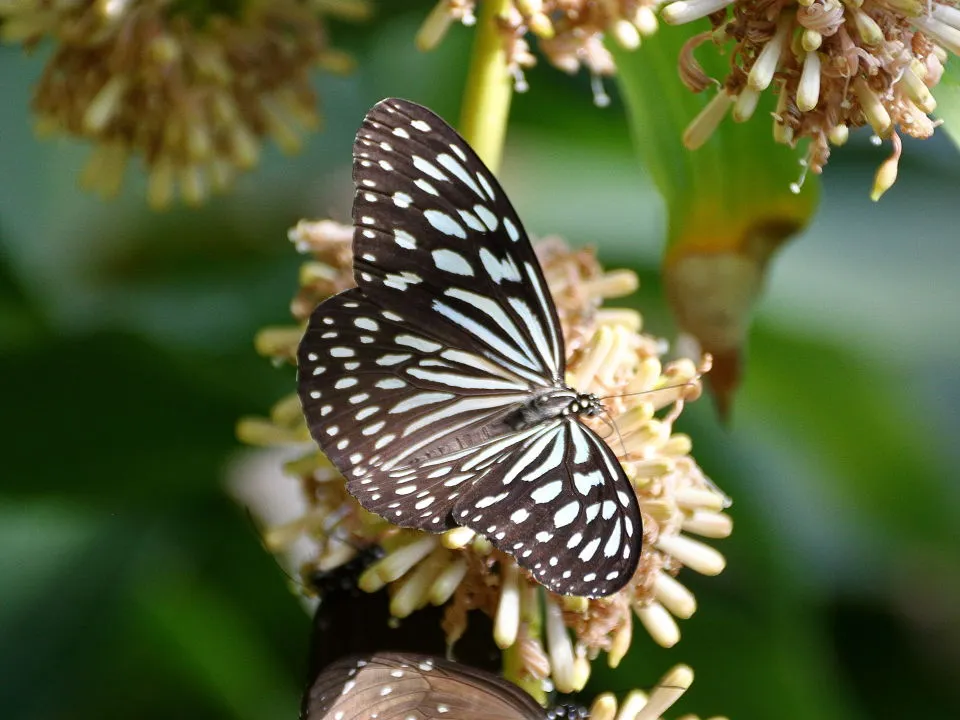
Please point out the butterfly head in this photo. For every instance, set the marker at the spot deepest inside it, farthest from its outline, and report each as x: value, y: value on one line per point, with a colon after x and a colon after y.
x: 586, y: 404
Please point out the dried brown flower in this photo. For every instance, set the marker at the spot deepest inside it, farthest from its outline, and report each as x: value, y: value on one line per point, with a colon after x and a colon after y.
x: 189, y: 90
x: 569, y: 33
x: 834, y: 66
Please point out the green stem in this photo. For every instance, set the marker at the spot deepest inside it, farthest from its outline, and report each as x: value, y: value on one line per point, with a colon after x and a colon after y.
x: 486, y: 99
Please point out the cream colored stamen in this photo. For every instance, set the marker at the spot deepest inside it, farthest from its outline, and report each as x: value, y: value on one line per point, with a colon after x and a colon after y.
x: 706, y: 122
x: 761, y: 74
x: 695, y: 555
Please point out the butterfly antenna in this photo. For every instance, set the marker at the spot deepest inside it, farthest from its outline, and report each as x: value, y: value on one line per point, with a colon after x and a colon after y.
x: 705, y: 364
x: 261, y: 538
x: 608, y: 418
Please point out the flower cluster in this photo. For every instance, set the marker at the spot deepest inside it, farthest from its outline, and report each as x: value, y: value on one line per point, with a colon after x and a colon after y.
x: 570, y: 33
x: 608, y: 355
x: 834, y: 65
x: 639, y: 705
x: 188, y: 89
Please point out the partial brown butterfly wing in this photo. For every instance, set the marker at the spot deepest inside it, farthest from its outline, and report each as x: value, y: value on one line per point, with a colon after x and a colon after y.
x: 409, y: 686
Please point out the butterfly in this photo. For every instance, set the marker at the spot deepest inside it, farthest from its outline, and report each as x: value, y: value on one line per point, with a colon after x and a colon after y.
x: 436, y: 386
x: 398, y: 686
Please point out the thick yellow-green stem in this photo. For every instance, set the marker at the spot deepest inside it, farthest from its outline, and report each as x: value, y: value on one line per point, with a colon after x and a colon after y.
x: 486, y: 100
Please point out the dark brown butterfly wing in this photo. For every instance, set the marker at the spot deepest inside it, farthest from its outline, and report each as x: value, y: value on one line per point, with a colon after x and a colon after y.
x: 408, y: 686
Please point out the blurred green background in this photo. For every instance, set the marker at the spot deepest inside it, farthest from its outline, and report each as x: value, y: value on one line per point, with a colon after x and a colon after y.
x: 132, y: 586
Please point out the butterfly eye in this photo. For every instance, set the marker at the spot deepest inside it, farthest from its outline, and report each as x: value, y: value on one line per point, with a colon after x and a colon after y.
x: 437, y: 382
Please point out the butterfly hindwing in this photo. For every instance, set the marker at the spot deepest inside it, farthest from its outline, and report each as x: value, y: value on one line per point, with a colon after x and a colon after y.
x: 561, y: 504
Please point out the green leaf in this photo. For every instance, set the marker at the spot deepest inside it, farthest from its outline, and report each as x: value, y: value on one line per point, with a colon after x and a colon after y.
x: 948, y: 99
x: 739, y: 174
x: 206, y: 635
x: 730, y: 203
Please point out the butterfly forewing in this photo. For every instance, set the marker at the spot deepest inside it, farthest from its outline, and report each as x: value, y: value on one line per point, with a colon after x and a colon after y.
x: 422, y: 384
x: 397, y: 686
x: 436, y: 234
x: 378, y: 399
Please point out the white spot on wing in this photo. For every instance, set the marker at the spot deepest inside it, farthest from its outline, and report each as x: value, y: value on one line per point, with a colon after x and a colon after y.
x: 392, y: 359
x: 372, y: 429
x: 426, y: 187
x: 499, y: 270
x: 518, y: 516
x: 445, y: 224
x: 613, y: 542
x: 487, y: 187
x: 428, y: 168
x: 452, y: 262
x: 567, y: 514
x: 584, y: 481
x: 489, y: 500
x: 417, y: 343
x: 366, y: 412
x: 589, y: 550
x: 472, y: 221
x: 405, y: 239
x: 489, y: 218
x: 548, y: 492
x: 511, y: 229
x: 450, y: 164
x: 420, y: 400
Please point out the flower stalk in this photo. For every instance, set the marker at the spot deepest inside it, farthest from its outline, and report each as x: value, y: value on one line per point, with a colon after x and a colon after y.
x: 489, y: 89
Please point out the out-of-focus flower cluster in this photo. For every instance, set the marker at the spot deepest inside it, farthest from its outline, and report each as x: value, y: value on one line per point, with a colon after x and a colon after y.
x: 607, y: 355
x: 833, y: 64
x: 569, y: 33
x: 188, y: 89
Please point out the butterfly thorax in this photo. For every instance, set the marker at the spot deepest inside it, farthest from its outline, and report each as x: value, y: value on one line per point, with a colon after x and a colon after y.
x: 551, y: 404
